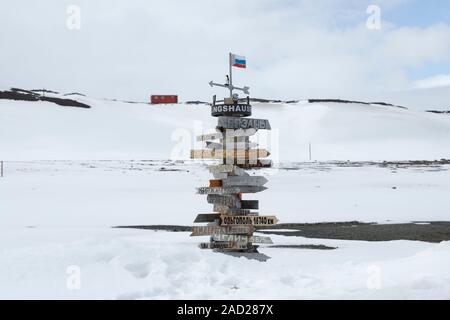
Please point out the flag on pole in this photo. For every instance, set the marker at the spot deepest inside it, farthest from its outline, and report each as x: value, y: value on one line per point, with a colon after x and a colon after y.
x: 238, y: 61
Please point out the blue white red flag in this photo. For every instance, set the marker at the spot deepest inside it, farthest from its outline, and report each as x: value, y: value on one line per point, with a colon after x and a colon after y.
x: 238, y: 61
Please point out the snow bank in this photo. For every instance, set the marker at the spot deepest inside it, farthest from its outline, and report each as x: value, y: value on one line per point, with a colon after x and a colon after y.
x: 118, y: 130
x: 133, y: 264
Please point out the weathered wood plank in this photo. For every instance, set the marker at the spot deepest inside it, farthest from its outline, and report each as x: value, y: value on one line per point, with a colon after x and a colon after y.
x: 220, y: 176
x: 249, y: 204
x: 256, y: 181
x: 243, y: 123
x: 218, y: 191
x: 231, y: 210
x: 244, y: 239
x: 207, y: 217
x: 227, y: 168
x: 224, y: 245
x: 240, y: 133
x: 210, y: 230
x: 213, y: 145
x: 259, y: 221
x: 231, y: 200
x: 210, y: 136
x: 230, y: 190
x: 237, y: 154
x: 258, y: 164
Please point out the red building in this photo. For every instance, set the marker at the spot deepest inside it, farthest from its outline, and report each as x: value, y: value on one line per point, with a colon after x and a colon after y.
x: 166, y: 99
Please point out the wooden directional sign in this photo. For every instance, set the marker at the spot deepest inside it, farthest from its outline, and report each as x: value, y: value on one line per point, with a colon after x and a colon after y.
x: 231, y: 200
x: 231, y: 210
x: 227, y: 168
x: 243, y: 123
x: 213, y: 145
x: 220, y: 176
x: 237, y: 154
x: 211, y: 136
x: 207, y: 217
x: 244, y: 181
x: 210, y: 230
x: 232, y: 140
x: 245, y: 145
x: 240, y: 133
x: 241, y: 238
x: 215, y: 183
x: 233, y: 110
x: 250, y: 204
x: 231, y: 144
x: 250, y: 189
x: 258, y: 221
x: 225, y: 245
x: 230, y: 190
x: 258, y: 164
x: 219, y: 191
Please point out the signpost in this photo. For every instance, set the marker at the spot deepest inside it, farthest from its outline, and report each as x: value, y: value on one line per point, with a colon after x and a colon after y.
x: 233, y: 222
x: 207, y: 217
x: 256, y: 181
x: 239, y: 154
x: 243, y: 123
x: 230, y: 190
x: 241, y: 238
x: 257, y: 221
x: 210, y: 136
x: 213, y: 145
x: 210, y: 230
x: 227, y: 168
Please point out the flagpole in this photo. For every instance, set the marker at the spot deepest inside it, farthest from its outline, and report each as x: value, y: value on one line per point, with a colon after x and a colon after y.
x: 231, y: 76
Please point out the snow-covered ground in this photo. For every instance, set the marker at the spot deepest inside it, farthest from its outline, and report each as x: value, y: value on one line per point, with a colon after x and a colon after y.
x: 55, y: 216
x: 111, y: 193
x: 117, y: 130
x: 98, y: 263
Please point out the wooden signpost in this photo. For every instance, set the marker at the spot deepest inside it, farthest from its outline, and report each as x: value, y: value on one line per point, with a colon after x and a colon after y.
x: 207, y: 217
x: 219, y: 154
x: 211, y: 136
x: 244, y: 181
x: 257, y: 221
x: 243, y: 123
x: 233, y: 222
x: 211, y: 230
x: 230, y: 190
x: 244, y: 239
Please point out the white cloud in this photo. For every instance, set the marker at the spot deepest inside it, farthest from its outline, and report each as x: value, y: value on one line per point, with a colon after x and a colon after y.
x: 433, y: 82
x: 295, y: 49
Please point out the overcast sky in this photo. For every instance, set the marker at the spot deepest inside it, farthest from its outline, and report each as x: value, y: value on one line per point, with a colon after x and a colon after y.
x: 295, y: 49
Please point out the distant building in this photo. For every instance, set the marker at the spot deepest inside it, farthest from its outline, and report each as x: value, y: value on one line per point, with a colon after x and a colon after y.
x: 163, y: 99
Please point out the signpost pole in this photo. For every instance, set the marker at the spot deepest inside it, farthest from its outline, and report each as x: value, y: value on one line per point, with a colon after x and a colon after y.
x: 233, y: 222
x: 231, y: 75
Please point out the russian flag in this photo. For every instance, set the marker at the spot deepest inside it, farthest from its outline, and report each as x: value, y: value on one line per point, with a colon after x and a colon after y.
x: 238, y: 61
